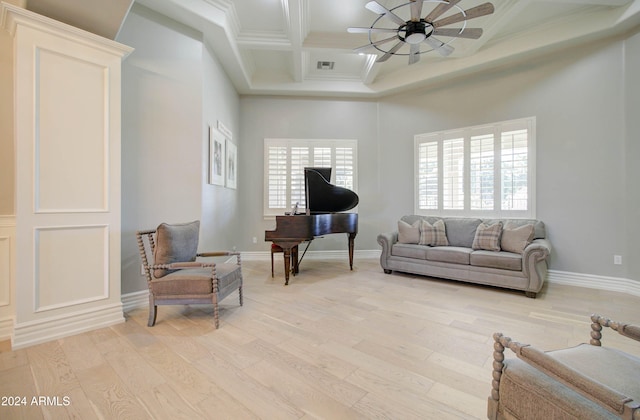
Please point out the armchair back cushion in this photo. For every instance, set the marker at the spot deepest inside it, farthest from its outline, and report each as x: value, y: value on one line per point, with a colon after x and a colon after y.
x: 175, y: 243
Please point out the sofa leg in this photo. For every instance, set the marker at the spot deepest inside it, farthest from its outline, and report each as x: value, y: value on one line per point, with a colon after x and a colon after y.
x: 386, y: 271
x: 531, y: 295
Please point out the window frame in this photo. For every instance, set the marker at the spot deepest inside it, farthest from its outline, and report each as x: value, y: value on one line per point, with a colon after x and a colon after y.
x: 435, y: 182
x: 311, y: 144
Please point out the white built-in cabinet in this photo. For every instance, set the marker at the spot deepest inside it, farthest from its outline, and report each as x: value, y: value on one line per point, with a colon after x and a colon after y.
x: 65, y: 258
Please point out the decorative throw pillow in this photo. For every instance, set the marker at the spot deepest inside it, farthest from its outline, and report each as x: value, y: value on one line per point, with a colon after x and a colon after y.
x: 433, y: 234
x: 488, y: 237
x: 516, y: 238
x: 408, y: 234
x: 175, y: 243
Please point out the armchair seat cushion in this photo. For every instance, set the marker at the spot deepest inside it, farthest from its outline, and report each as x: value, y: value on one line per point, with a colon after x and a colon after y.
x: 618, y: 370
x: 192, y: 281
x: 196, y: 281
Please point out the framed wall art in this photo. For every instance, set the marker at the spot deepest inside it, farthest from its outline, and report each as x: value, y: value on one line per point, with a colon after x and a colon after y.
x: 216, y: 157
x: 232, y: 165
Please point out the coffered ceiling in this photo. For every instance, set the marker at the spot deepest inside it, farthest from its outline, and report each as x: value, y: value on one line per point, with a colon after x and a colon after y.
x: 274, y: 46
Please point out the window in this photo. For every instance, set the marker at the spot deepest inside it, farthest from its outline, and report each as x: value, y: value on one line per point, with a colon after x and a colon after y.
x: 486, y: 171
x: 285, y: 160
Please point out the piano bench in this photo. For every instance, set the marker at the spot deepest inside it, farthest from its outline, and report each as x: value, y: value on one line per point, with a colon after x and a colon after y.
x: 275, y: 248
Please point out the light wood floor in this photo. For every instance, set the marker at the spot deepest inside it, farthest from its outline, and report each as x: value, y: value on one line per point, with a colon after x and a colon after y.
x: 334, y: 344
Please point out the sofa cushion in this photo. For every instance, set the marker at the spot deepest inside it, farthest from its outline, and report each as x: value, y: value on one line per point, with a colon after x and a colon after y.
x: 492, y: 259
x: 449, y: 254
x: 408, y: 233
x: 516, y: 238
x: 488, y: 237
x: 175, y: 243
x: 433, y: 234
x: 461, y: 231
x: 409, y: 251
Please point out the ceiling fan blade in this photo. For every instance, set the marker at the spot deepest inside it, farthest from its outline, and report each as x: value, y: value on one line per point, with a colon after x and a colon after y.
x: 442, y: 48
x: 364, y: 48
x: 376, y: 7
x: 416, y: 10
x: 470, y: 33
x: 414, y: 54
x: 474, y: 12
x: 389, y: 53
x: 370, y: 30
x: 440, y: 9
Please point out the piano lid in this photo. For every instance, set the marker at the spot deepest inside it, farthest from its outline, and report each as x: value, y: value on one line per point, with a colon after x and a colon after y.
x: 323, y: 197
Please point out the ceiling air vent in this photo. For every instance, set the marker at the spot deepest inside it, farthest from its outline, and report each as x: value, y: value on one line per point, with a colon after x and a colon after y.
x: 326, y: 65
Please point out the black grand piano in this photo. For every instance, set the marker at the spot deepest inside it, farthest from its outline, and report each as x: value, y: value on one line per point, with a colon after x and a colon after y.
x: 324, y: 202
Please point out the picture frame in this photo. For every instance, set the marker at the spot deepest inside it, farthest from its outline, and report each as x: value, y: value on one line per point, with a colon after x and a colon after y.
x: 231, y: 169
x: 217, y: 157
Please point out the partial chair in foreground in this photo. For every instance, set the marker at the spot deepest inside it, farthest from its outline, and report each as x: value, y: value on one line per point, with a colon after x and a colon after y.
x: 587, y: 381
x: 174, y: 276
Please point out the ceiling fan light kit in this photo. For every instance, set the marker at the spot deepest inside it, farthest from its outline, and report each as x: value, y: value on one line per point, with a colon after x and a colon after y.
x: 419, y: 32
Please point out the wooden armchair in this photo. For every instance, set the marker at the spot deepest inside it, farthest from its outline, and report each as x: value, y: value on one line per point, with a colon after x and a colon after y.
x: 587, y: 381
x: 174, y: 277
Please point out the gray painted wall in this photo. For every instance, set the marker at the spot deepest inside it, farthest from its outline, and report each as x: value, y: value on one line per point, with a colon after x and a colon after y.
x: 582, y: 146
x: 173, y: 88
x: 587, y: 144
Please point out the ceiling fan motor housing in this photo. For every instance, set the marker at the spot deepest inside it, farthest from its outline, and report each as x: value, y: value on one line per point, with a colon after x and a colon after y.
x: 417, y: 31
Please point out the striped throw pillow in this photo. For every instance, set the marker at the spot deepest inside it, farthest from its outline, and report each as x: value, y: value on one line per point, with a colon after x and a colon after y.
x: 488, y: 237
x: 434, y: 235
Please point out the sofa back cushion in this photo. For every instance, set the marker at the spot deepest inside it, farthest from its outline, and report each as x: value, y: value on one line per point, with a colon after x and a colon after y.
x: 539, y: 230
x: 461, y: 231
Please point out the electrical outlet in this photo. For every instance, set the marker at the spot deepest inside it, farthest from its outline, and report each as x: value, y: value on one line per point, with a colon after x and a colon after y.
x: 255, y: 240
x: 617, y: 259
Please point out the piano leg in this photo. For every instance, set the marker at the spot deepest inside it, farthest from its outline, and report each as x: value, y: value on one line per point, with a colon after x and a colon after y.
x: 352, y: 237
x: 287, y: 264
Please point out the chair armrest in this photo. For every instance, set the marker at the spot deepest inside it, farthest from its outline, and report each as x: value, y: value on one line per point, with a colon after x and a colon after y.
x: 600, y: 393
x: 217, y: 254
x: 627, y: 330
x: 179, y: 265
x: 221, y: 254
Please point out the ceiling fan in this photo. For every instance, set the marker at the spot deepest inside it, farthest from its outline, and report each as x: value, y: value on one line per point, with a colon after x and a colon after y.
x: 419, y: 32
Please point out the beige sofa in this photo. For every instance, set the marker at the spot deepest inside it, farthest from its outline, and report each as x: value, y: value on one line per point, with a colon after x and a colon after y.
x: 508, y: 253
x: 588, y: 381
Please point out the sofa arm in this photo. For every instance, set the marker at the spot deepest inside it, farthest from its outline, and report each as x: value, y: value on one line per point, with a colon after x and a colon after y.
x: 534, y: 263
x: 386, y: 241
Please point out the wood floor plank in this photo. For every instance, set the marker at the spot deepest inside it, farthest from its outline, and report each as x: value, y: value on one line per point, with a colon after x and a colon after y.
x: 334, y: 343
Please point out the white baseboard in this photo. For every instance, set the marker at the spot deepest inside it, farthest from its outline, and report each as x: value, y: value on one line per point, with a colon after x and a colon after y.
x: 40, y: 331
x: 6, y: 328
x: 590, y: 281
x: 135, y: 300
